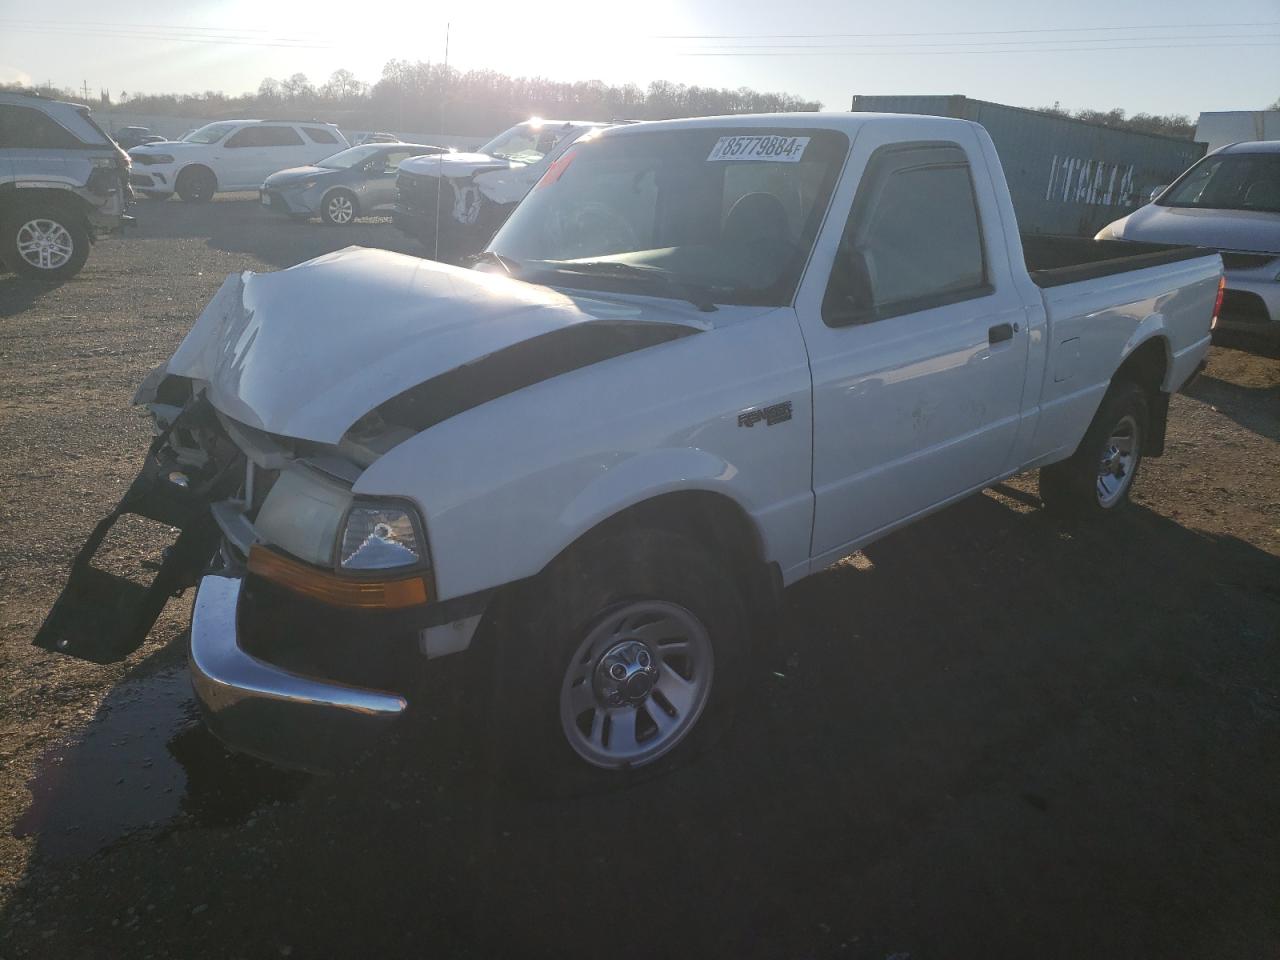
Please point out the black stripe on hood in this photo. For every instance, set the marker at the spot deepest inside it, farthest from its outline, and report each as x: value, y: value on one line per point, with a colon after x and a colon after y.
x: 522, y: 365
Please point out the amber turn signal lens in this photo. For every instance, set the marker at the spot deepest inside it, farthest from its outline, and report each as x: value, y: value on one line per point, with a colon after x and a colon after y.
x: 1217, y: 304
x: 332, y: 589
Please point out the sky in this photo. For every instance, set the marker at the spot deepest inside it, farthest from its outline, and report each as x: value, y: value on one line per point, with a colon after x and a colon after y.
x: 1155, y: 56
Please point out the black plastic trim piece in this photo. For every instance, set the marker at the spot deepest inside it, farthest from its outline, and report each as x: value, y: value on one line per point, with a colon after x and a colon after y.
x: 1053, y: 261
x: 522, y: 365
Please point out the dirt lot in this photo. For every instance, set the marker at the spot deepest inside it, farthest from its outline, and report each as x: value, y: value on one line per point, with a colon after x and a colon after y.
x: 994, y: 736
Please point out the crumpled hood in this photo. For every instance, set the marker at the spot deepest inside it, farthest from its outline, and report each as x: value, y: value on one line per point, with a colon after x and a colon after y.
x: 1245, y: 230
x: 456, y: 165
x: 305, y: 352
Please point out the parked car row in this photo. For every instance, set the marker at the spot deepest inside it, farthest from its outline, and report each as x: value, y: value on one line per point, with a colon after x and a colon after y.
x: 229, y: 155
x: 64, y: 183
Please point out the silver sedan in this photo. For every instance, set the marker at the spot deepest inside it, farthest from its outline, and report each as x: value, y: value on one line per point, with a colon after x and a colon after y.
x: 360, y: 181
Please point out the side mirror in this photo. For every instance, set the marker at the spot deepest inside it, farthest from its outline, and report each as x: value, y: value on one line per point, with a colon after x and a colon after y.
x: 1156, y: 192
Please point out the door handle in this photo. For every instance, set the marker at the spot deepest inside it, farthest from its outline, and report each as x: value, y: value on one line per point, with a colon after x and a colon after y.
x: 1001, y: 332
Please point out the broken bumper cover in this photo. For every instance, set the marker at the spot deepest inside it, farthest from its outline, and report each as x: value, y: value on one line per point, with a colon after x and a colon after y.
x: 278, y: 716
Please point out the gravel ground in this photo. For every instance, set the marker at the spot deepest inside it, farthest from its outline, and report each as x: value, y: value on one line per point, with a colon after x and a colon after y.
x: 994, y: 736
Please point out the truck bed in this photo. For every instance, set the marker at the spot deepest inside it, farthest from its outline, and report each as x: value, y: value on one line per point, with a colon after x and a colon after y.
x: 1053, y: 261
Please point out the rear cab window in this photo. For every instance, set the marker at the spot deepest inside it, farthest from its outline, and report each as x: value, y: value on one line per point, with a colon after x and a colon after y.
x: 913, y: 239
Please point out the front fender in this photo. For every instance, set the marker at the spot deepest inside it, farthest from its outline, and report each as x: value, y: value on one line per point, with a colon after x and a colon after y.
x: 643, y: 477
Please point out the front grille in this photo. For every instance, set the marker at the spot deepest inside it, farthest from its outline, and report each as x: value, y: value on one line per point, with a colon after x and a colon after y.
x: 1246, y: 261
x: 417, y: 193
x: 1240, y: 306
x: 141, y: 179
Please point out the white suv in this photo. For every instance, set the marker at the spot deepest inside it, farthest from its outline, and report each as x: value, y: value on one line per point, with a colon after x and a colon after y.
x: 229, y: 155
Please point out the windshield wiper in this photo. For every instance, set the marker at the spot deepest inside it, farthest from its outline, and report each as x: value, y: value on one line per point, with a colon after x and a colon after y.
x: 700, y: 297
x: 506, y: 263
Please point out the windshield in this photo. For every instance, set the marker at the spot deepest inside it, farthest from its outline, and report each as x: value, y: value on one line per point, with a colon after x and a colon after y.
x: 731, y: 213
x: 525, y: 142
x: 1233, y: 182
x: 346, y: 159
x: 209, y: 133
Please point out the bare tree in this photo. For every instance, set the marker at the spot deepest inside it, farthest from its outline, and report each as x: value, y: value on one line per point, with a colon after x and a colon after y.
x: 297, y: 87
x: 344, y: 85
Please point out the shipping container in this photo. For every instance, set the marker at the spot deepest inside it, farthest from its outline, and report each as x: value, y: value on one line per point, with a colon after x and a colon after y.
x: 1219, y: 128
x: 1066, y: 176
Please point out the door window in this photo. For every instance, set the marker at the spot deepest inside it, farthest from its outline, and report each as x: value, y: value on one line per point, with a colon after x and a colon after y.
x: 320, y: 135
x: 263, y: 136
x: 913, y: 239
x: 25, y: 129
x: 392, y: 161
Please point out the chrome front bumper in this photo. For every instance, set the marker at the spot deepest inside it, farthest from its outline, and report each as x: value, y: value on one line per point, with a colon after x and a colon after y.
x: 259, y: 709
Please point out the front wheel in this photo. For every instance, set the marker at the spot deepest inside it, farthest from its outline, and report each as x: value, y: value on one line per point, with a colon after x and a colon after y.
x: 629, y: 659
x: 45, y: 244
x: 339, y: 208
x: 1097, y: 479
x: 196, y: 185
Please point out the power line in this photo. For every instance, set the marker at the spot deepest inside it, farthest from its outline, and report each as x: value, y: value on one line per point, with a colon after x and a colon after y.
x: 949, y: 33
x: 118, y: 34
x: 985, y: 43
x: 175, y: 27
x: 882, y: 52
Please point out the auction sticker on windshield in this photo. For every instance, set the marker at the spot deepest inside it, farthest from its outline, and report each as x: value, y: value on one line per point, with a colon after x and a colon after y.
x: 770, y: 148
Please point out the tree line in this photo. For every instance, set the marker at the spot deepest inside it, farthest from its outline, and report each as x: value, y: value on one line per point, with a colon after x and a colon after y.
x: 1169, y: 125
x: 417, y: 96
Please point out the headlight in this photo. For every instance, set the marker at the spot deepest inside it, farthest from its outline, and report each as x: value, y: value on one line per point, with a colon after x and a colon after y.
x: 147, y: 159
x: 301, y: 185
x: 381, y: 536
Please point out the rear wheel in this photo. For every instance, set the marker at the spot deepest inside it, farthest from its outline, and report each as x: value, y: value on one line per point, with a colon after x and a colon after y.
x: 339, y: 208
x: 45, y: 243
x: 196, y: 185
x: 1097, y: 479
x: 628, y: 659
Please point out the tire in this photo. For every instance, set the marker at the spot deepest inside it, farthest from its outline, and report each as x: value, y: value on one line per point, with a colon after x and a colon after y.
x: 196, y: 184
x: 625, y: 658
x: 44, y: 242
x: 340, y: 208
x: 1096, y: 480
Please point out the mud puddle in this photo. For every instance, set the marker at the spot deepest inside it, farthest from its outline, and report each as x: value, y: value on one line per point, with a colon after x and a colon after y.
x: 144, y: 763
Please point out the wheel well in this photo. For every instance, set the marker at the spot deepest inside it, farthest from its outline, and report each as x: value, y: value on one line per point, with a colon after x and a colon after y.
x: 355, y: 200
x: 1147, y: 365
x: 712, y: 519
x: 192, y: 168
x: 65, y: 199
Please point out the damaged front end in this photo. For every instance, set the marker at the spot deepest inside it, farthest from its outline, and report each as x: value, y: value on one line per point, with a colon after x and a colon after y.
x: 103, y: 616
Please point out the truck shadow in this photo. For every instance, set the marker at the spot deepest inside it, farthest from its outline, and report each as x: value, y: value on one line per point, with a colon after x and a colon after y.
x: 993, y: 735
x: 1254, y: 408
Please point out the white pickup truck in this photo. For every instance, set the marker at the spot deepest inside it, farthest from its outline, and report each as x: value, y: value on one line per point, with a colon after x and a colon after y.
x: 704, y: 359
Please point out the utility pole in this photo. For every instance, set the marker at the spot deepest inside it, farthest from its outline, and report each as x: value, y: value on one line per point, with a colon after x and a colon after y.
x: 85, y: 84
x: 444, y: 86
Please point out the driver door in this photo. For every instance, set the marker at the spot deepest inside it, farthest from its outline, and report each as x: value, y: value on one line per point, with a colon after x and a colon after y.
x: 918, y: 346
